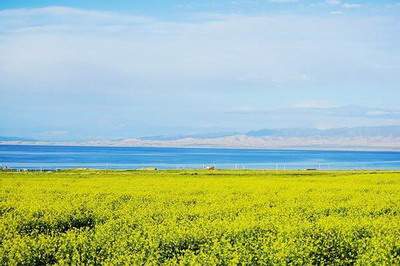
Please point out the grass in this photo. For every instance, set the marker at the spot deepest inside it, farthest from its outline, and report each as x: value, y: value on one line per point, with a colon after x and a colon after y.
x: 200, y: 217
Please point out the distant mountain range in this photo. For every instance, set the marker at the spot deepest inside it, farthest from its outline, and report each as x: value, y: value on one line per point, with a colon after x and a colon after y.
x: 192, y: 136
x: 382, y: 131
x: 357, y: 138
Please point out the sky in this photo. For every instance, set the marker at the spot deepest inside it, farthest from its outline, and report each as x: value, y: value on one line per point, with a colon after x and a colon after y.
x: 72, y: 70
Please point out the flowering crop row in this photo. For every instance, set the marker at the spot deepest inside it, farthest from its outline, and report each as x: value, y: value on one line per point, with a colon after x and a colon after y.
x: 199, y: 218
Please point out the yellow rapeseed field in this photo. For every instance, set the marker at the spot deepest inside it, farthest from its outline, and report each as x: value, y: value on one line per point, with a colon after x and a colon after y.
x: 199, y: 217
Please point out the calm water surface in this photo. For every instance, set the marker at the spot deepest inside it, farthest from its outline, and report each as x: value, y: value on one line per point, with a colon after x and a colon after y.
x: 51, y: 157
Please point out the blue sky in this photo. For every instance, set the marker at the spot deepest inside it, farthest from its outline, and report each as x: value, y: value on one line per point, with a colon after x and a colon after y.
x: 119, y: 69
x: 161, y: 7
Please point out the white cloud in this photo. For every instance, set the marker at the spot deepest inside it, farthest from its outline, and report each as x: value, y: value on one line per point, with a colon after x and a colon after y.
x: 333, y: 2
x: 351, y: 6
x: 57, y: 44
x: 60, y: 13
x: 344, y: 5
x: 320, y: 104
x: 319, y: 114
x: 336, y: 12
x: 162, y: 73
x: 283, y: 1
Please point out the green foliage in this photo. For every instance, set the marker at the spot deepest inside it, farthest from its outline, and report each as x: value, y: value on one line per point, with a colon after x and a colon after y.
x: 199, y: 218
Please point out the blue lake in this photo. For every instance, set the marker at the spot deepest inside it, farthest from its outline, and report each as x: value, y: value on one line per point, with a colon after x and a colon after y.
x: 51, y: 157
